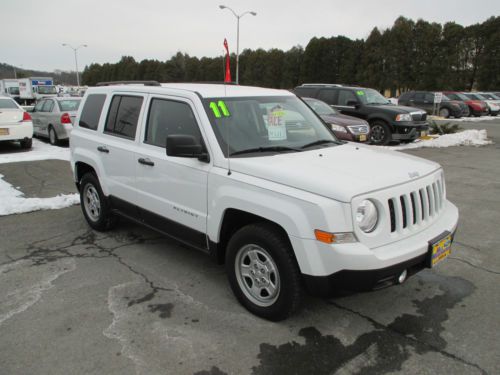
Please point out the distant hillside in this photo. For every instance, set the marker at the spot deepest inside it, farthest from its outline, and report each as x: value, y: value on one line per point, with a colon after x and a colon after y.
x: 7, y: 71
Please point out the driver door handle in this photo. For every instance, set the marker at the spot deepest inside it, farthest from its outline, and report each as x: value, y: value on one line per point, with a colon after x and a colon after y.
x: 146, y: 161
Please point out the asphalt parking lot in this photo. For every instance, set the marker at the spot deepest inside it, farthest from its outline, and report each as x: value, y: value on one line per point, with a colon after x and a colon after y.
x: 75, y: 301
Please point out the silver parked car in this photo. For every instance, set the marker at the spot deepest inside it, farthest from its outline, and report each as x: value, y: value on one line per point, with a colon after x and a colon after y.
x: 54, y: 117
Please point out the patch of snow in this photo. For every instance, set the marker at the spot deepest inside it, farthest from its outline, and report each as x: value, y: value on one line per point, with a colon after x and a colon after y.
x: 39, y: 151
x: 13, y: 201
x: 465, y: 138
x: 465, y: 119
x: 393, y: 100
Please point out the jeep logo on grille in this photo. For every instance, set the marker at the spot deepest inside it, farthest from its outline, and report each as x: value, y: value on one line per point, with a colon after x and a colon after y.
x: 413, y: 174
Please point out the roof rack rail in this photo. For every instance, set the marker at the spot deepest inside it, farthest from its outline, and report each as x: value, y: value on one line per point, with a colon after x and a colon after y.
x: 145, y: 83
x: 323, y: 84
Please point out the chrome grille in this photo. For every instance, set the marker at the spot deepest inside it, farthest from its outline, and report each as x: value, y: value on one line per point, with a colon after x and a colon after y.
x: 411, y: 209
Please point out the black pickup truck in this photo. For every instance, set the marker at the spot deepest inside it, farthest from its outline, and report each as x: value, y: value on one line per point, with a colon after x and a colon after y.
x: 388, y: 122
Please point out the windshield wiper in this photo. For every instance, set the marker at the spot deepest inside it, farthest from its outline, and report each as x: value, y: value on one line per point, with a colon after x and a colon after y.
x: 265, y: 149
x: 320, y: 142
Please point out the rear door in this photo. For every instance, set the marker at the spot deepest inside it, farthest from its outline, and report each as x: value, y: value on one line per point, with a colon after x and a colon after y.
x: 118, y: 147
x: 35, y: 116
x: 172, y: 190
x: 44, y: 116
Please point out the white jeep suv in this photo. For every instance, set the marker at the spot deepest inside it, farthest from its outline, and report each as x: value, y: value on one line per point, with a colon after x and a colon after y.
x: 218, y: 167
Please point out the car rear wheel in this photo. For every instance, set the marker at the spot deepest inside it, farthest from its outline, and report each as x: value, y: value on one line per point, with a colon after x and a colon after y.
x: 53, y: 136
x: 95, y: 205
x: 380, y: 134
x: 444, y: 112
x: 26, y: 143
x: 263, y: 272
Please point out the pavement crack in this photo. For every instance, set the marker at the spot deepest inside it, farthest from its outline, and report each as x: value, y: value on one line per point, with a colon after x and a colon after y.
x: 412, y: 340
x: 475, y: 266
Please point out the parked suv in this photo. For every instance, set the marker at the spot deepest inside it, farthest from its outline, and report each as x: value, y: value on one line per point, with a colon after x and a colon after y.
x: 425, y: 100
x: 387, y: 121
x: 217, y: 168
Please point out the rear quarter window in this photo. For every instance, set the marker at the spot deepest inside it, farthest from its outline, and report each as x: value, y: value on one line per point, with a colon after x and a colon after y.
x: 91, y: 112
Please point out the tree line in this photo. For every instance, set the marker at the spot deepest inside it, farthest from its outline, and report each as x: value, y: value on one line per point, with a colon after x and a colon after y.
x: 409, y: 55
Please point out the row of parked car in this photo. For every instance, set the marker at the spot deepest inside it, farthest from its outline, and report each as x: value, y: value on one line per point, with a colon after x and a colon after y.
x: 50, y: 118
x: 454, y: 103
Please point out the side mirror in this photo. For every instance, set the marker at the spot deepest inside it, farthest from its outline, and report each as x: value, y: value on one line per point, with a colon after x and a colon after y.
x: 186, y: 146
x: 352, y: 103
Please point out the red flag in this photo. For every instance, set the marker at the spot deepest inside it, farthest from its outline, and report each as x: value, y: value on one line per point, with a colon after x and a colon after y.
x: 227, y: 77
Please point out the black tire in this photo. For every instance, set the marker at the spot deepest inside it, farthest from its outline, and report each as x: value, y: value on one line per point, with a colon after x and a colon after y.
x: 100, y: 218
x: 54, y: 141
x: 26, y: 143
x: 380, y: 133
x: 275, y: 243
x: 444, y: 112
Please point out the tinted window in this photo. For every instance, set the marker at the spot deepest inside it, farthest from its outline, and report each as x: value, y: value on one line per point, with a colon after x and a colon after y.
x: 47, y: 107
x: 91, y: 112
x: 305, y: 91
x: 167, y: 117
x: 419, y: 97
x: 429, y: 98
x: 346, y: 96
x: 124, y: 115
x: 406, y: 96
x: 328, y: 96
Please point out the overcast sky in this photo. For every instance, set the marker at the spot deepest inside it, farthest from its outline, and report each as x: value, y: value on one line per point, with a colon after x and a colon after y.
x: 33, y: 30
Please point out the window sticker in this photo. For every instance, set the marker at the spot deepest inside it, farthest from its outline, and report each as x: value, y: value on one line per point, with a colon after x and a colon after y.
x: 215, y: 110
x: 360, y: 93
x: 219, y: 107
x: 276, y: 127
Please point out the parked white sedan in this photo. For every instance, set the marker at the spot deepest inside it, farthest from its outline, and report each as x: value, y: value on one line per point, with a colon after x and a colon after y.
x: 15, y: 123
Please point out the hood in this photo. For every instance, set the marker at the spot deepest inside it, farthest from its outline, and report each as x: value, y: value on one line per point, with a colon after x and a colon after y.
x: 343, y: 120
x: 338, y: 172
x: 397, y: 109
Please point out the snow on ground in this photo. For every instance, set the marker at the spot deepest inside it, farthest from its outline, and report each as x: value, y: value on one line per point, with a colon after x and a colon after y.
x: 14, y: 202
x: 40, y: 151
x: 465, y: 138
x: 465, y: 119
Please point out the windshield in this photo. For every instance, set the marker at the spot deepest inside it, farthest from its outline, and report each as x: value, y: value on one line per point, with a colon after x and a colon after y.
x: 8, y: 104
x: 489, y: 96
x: 321, y: 108
x: 44, y: 90
x: 68, y: 105
x: 444, y: 98
x: 265, y: 123
x: 462, y: 96
x: 13, y: 90
x: 370, y: 96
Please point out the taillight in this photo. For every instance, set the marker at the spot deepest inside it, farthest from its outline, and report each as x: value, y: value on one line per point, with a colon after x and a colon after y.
x: 26, y: 116
x: 65, y: 119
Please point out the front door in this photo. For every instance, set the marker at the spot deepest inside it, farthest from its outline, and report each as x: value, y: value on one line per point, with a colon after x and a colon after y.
x: 172, y: 190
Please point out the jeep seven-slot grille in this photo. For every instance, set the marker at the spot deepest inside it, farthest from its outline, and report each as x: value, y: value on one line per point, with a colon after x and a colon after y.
x: 408, y: 210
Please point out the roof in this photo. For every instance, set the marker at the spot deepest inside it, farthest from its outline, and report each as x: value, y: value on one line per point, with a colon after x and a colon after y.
x: 204, y: 89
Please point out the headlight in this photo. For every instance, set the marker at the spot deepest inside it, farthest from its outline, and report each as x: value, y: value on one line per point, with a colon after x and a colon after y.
x: 367, y: 216
x: 404, y: 117
x: 338, y: 128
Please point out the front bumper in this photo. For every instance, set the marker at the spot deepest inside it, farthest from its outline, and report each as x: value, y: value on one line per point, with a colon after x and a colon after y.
x: 355, y: 266
x: 408, y: 131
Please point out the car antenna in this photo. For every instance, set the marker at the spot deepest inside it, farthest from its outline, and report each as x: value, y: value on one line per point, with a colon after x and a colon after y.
x: 227, y: 135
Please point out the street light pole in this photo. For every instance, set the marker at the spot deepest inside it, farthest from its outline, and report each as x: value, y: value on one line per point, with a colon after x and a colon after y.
x: 76, y: 59
x: 238, y: 16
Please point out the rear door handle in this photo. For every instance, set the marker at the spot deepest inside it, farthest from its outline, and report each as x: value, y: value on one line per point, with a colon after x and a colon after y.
x: 146, y: 161
x: 103, y: 149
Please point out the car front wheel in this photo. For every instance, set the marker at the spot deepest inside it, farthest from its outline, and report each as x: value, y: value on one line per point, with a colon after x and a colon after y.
x: 380, y: 134
x: 263, y: 272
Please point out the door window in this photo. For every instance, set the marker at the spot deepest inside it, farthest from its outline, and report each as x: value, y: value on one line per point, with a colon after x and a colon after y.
x: 168, y: 117
x: 123, y: 116
x: 346, y: 96
x: 419, y: 97
x: 47, y: 107
x: 429, y: 98
x: 328, y: 96
x: 39, y: 106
